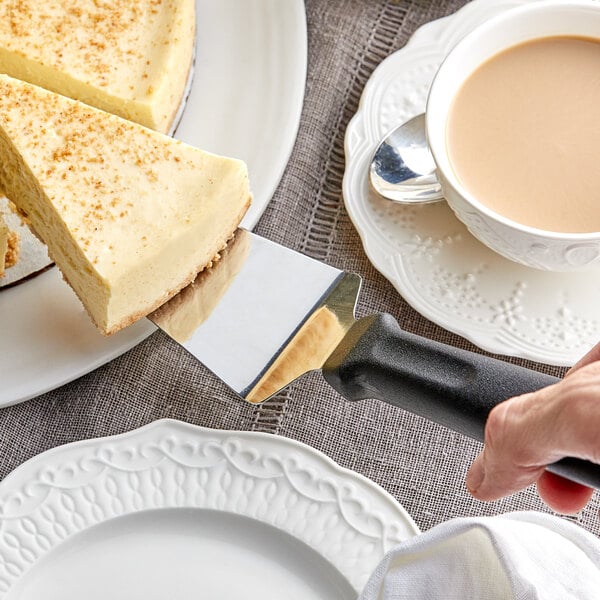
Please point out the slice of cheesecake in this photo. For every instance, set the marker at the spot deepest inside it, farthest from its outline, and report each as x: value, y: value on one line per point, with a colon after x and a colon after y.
x: 128, y: 57
x: 130, y: 215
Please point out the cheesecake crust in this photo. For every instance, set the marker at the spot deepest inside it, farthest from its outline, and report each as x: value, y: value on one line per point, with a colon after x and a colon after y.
x: 12, y: 253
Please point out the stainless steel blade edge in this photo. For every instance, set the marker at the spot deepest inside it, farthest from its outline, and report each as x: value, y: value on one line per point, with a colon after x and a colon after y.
x: 261, y: 315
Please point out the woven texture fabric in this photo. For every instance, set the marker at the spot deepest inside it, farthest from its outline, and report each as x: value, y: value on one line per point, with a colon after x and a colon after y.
x: 421, y: 464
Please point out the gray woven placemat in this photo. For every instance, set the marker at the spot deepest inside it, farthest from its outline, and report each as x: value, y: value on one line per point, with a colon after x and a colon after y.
x: 421, y: 464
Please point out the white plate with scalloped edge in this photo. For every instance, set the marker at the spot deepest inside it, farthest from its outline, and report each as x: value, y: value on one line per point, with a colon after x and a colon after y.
x: 176, y: 511
x: 428, y: 254
x: 245, y: 101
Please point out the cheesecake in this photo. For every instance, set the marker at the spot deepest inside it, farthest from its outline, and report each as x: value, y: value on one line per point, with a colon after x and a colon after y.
x: 127, y: 57
x: 129, y: 215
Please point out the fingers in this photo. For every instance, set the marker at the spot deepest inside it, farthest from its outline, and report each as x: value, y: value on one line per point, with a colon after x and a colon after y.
x: 506, y: 464
x: 562, y: 495
x: 526, y: 433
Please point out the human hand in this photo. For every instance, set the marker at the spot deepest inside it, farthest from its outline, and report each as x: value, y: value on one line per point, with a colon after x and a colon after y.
x: 526, y: 433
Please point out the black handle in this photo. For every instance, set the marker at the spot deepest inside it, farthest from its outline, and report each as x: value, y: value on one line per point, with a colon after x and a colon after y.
x: 453, y: 387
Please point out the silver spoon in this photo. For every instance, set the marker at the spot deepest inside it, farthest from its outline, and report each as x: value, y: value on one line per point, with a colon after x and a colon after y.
x: 402, y: 168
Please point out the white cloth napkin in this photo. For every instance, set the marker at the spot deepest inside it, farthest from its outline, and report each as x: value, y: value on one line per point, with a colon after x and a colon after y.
x: 524, y: 555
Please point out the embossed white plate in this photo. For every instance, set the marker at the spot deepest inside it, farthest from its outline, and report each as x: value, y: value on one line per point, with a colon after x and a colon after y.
x: 429, y: 256
x: 177, y: 511
x: 245, y: 101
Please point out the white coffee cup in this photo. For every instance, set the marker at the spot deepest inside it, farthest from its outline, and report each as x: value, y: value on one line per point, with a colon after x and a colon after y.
x: 554, y: 251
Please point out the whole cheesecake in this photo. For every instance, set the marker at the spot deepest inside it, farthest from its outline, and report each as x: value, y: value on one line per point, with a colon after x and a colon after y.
x: 128, y: 57
x: 129, y: 215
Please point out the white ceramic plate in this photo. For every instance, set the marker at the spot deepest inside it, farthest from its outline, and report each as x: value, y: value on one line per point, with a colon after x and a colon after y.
x: 429, y: 256
x: 245, y: 101
x: 176, y: 511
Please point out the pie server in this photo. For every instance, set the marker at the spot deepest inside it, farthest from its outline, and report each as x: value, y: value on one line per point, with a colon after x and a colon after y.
x: 263, y: 315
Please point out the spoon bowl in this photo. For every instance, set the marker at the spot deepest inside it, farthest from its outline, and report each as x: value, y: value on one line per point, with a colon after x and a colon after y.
x: 402, y: 168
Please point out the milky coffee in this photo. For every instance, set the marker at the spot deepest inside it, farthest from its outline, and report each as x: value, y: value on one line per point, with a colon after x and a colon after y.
x: 523, y: 134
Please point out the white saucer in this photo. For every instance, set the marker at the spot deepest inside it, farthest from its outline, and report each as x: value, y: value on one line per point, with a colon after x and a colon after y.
x: 429, y: 256
x: 177, y: 511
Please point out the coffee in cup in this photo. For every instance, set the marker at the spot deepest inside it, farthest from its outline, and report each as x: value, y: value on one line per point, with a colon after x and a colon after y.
x: 523, y: 133
x: 501, y: 114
